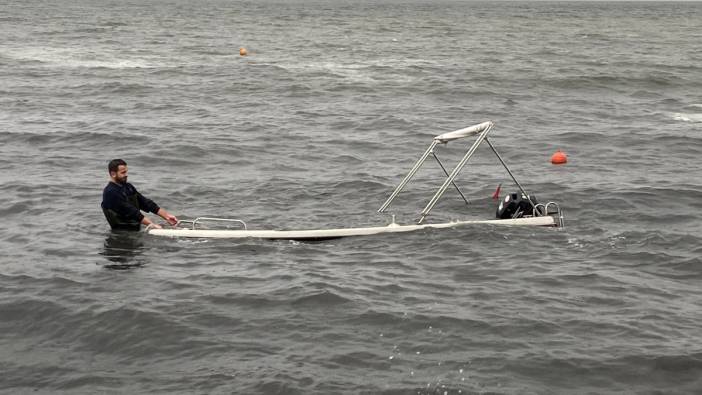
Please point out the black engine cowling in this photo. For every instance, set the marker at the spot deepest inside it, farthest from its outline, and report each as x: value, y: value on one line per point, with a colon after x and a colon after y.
x: 515, y: 205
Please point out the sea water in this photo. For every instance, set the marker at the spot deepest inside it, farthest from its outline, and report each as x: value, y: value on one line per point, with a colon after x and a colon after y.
x: 314, y: 129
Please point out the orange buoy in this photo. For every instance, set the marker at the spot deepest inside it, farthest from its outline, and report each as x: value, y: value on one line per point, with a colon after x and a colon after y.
x: 559, y: 158
x: 243, y: 51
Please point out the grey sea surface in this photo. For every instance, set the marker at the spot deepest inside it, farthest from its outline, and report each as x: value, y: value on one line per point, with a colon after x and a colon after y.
x: 314, y: 129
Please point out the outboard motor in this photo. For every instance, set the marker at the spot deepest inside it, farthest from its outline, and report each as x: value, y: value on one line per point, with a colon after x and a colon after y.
x: 515, y: 205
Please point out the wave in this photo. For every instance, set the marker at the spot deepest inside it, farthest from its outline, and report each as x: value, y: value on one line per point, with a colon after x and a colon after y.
x: 606, y: 81
x: 15, y: 209
x: 281, y: 386
x: 360, y: 186
x: 58, y: 138
x: 136, y: 332
x: 323, y: 298
x: 11, y: 19
x: 133, y: 332
x: 683, y: 269
x: 71, y: 58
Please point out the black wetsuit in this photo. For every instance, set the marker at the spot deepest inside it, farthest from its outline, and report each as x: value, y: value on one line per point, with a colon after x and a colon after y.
x: 122, y: 205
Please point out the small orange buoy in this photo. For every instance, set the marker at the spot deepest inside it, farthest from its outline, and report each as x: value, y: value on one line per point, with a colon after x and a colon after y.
x: 243, y: 51
x: 559, y: 158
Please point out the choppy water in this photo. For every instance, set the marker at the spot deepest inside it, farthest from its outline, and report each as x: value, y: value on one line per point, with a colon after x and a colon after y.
x: 314, y: 129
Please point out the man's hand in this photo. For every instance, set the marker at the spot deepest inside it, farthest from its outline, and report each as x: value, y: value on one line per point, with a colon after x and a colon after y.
x: 146, y: 222
x: 170, y: 218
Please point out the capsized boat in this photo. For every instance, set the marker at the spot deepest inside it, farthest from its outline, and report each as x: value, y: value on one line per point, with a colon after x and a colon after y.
x: 516, y: 209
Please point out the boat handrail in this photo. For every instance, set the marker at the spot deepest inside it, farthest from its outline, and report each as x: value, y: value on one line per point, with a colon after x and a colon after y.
x: 544, y: 209
x: 539, y: 210
x: 198, y: 219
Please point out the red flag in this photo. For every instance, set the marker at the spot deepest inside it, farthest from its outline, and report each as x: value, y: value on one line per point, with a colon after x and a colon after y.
x: 496, y: 195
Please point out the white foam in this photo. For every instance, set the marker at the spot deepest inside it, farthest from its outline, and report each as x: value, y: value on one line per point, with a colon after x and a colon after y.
x: 75, y: 58
x: 356, y: 72
x: 689, y: 117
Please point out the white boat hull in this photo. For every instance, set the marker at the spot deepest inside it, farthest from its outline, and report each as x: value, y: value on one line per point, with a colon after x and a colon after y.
x: 321, y: 234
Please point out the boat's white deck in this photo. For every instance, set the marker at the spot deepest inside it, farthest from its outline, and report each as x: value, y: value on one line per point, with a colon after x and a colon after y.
x: 313, y: 234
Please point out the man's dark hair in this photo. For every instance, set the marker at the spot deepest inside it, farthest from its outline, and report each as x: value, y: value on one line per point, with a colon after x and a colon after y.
x: 115, y: 164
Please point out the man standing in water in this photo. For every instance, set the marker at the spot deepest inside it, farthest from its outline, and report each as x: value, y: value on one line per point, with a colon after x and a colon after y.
x: 122, y: 204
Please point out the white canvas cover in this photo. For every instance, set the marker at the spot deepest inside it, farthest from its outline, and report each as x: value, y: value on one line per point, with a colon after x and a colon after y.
x: 465, y: 132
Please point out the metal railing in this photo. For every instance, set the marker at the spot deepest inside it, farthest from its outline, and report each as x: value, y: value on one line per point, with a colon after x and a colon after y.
x: 541, y: 210
x: 197, y: 220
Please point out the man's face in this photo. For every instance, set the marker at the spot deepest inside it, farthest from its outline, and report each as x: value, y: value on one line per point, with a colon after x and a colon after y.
x: 120, y: 176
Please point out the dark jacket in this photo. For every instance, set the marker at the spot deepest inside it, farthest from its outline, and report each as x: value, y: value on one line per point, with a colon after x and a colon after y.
x: 122, y: 205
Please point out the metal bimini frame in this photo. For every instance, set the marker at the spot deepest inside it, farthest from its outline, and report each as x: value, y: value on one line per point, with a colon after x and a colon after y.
x: 481, y: 130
